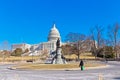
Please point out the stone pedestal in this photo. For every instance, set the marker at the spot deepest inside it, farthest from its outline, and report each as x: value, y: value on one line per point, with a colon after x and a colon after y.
x: 58, y: 58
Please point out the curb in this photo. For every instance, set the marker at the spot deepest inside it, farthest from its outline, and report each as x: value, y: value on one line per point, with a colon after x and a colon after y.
x: 87, y: 68
x: 12, y: 68
x: 97, y: 67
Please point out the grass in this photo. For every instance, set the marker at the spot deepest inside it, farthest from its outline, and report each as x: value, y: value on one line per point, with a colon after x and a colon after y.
x: 24, y: 58
x: 50, y: 66
x: 54, y: 66
x: 83, y: 56
x: 13, y: 58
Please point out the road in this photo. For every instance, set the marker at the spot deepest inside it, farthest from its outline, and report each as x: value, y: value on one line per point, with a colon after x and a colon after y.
x: 110, y: 73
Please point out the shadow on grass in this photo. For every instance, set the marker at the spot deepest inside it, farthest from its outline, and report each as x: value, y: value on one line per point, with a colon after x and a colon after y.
x: 117, y: 78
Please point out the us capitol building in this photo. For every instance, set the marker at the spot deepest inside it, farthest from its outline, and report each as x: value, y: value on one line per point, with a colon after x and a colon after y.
x: 37, y: 49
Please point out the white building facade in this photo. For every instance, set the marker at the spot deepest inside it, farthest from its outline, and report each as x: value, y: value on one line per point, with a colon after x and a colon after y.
x: 53, y: 36
x: 50, y: 45
x: 23, y: 46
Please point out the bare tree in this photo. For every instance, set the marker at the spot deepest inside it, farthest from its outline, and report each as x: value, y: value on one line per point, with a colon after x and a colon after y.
x: 99, y: 36
x: 92, y: 31
x: 74, y: 37
x: 78, y: 40
x: 5, y: 50
x: 5, y: 45
x: 67, y: 49
x: 96, y: 36
x: 113, y: 35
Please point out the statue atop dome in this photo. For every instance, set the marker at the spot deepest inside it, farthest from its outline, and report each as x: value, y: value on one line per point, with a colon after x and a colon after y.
x: 54, y: 26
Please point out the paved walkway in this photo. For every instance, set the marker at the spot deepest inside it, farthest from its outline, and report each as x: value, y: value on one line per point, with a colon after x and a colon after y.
x: 109, y: 73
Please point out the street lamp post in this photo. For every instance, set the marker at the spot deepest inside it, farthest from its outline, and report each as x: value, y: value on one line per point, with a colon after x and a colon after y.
x: 32, y: 57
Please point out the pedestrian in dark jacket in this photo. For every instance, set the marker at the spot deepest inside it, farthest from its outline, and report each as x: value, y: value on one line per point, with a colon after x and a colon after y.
x: 81, y: 65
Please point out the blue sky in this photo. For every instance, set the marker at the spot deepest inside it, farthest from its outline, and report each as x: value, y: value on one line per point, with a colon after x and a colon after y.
x: 29, y: 21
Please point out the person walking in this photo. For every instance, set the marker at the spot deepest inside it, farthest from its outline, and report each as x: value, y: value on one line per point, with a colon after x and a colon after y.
x: 81, y: 65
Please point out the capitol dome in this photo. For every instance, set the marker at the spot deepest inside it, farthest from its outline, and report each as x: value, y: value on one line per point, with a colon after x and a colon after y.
x: 53, y: 34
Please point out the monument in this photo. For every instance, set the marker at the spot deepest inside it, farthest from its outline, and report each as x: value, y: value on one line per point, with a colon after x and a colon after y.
x: 54, y: 47
x: 58, y: 58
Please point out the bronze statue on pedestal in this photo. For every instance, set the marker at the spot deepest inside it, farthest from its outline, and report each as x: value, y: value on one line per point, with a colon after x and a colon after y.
x: 58, y: 43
